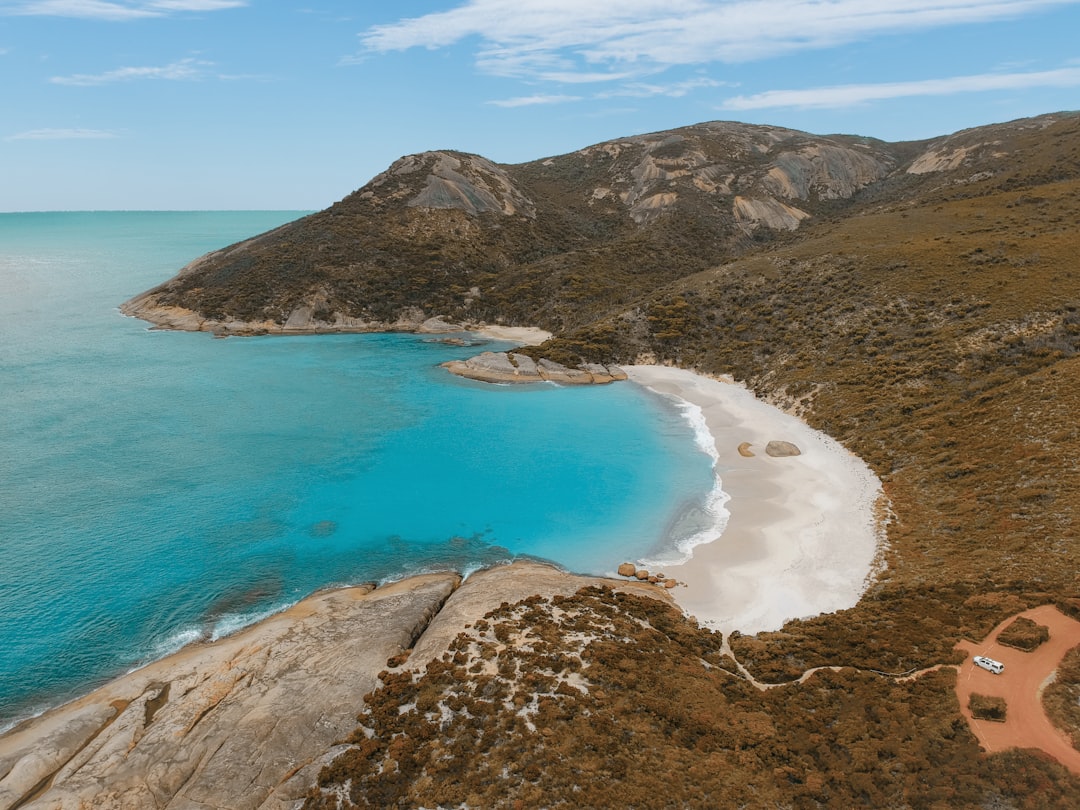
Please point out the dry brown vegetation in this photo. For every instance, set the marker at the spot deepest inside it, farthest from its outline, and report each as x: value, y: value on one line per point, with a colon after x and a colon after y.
x: 1024, y: 634
x: 1061, y: 698
x: 987, y: 707
x: 605, y: 699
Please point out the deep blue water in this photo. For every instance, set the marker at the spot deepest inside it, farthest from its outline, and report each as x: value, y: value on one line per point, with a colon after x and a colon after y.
x: 157, y: 487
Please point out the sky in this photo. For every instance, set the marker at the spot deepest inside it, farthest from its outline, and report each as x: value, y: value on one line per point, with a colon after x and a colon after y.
x: 252, y: 104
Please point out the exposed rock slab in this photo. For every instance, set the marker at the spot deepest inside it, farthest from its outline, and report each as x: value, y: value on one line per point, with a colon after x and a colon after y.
x: 247, y: 722
x: 467, y: 182
x: 511, y: 367
x: 771, y: 213
x: 486, y: 590
x: 241, y: 723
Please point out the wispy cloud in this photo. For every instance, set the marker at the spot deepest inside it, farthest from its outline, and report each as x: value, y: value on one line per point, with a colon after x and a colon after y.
x: 540, y: 39
x: 528, y: 101
x: 183, y: 70
x: 671, y: 90
x: 62, y: 135
x: 115, y: 11
x: 849, y: 95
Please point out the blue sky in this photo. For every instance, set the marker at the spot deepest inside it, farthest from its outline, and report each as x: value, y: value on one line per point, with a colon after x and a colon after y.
x: 237, y: 104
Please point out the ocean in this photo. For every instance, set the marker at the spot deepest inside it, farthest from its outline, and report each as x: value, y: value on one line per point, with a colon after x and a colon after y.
x: 162, y: 487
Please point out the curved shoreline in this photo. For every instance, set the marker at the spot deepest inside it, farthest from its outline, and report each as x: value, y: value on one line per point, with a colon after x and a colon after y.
x: 778, y: 558
x: 802, y: 537
x: 775, y: 561
x: 790, y: 537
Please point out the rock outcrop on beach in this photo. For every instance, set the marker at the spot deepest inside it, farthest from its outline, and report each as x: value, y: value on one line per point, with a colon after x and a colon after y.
x: 239, y: 723
x: 511, y: 367
x: 248, y: 721
x: 778, y: 448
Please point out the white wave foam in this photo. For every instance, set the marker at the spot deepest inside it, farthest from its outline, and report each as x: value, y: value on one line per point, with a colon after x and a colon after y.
x: 470, y: 569
x: 714, y: 509
x: 229, y: 623
x: 29, y: 714
x: 177, y: 641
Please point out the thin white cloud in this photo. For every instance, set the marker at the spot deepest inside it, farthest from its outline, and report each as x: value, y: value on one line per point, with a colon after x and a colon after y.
x: 849, y: 95
x: 62, y: 135
x: 196, y: 5
x: 571, y: 77
x: 529, y: 101
x: 671, y: 90
x: 537, y: 38
x: 183, y: 70
x: 111, y: 11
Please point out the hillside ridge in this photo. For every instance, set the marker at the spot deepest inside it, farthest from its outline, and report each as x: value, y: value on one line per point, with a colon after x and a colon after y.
x: 450, y: 234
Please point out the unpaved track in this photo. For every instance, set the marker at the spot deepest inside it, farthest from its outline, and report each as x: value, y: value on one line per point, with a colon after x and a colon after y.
x: 1026, y: 724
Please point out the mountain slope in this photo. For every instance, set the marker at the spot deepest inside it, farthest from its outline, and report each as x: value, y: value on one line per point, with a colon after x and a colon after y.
x: 551, y: 243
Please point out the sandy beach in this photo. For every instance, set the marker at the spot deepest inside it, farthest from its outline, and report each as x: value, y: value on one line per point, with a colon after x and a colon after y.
x: 801, y: 537
x: 525, y: 335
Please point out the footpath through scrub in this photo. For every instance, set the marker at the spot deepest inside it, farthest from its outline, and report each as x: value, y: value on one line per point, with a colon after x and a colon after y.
x: 1020, y: 685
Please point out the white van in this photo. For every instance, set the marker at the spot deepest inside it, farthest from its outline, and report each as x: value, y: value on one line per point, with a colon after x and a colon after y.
x: 989, y: 664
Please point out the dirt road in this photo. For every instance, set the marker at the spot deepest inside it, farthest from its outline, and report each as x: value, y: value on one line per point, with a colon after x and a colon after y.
x: 1026, y: 724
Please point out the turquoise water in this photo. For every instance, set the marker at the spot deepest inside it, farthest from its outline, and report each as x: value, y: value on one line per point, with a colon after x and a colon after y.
x: 158, y: 487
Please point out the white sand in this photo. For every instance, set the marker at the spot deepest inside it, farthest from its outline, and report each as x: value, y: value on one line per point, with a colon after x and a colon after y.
x: 801, y: 538
x: 525, y: 335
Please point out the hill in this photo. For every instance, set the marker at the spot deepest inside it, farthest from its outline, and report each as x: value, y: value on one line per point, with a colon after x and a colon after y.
x: 920, y: 302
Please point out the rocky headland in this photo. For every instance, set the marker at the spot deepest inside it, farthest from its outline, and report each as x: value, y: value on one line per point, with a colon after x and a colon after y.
x: 248, y: 721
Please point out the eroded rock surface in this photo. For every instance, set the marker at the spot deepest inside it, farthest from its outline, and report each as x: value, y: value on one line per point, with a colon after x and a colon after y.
x: 247, y: 722
x: 485, y: 591
x: 241, y: 723
x: 470, y: 183
x: 511, y: 367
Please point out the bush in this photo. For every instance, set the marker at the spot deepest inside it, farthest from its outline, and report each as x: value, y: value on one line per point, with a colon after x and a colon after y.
x: 1024, y: 634
x: 985, y: 707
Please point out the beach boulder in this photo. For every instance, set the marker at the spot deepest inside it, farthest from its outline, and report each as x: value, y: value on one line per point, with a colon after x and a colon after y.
x: 627, y: 569
x: 779, y: 449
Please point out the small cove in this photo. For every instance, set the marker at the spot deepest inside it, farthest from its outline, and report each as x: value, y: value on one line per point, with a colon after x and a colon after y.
x: 160, y: 487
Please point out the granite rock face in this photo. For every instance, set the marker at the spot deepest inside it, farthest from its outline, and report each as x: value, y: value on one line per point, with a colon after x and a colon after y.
x: 241, y: 723
x: 470, y: 183
x: 781, y: 449
x: 247, y: 722
x: 510, y: 367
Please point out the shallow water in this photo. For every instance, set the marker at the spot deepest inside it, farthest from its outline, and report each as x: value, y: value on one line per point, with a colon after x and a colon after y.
x: 158, y: 487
